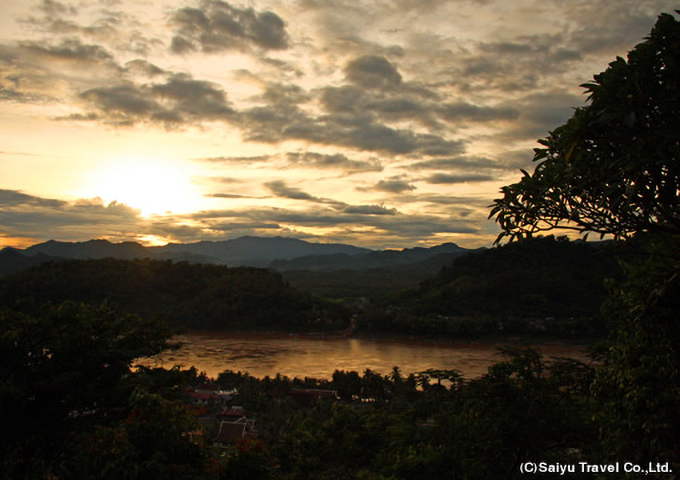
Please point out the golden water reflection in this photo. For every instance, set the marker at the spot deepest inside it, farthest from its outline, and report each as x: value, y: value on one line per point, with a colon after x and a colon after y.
x: 294, y: 356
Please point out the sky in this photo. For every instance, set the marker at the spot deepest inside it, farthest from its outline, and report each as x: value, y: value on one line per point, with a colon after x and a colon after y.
x: 382, y: 124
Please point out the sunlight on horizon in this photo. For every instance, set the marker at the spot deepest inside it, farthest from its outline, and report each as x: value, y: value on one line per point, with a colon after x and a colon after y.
x: 152, y: 186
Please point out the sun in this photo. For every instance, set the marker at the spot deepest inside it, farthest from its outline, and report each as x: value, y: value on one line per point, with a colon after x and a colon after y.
x: 152, y: 186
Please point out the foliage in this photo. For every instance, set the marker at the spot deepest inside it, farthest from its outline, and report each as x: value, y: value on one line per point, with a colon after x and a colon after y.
x: 63, y: 372
x: 431, y: 424
x: 428, y: 425
x: 614, y: 167
x: 547, y: 285
x: 153, y: 441
x: 640, y: 384
x: 181, y: 294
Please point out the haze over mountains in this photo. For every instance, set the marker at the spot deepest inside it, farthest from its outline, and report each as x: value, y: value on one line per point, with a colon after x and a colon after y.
x: 273, y: 252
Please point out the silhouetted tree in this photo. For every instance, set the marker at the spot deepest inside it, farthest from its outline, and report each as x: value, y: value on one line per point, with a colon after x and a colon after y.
x: 614, y: 167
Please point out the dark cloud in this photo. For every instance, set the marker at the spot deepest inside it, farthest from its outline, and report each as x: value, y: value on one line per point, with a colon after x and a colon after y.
x: 337, y: 161
x: 372, y: 71
x: 467, y: 202
x: 386, y: 223
x: 40, y: 72
x: 121, y: 31
x: 404, y: 104
x: 71, y: 50
x: 143, y: 67
x: 342, y: 100
x: 280, y: 189
x: 462, y: 111
x: 226, y: 195
x: 606, y: 28
x: 454, y: 163
x: 123, y: 102
x: 514, y: 65
x: 217, y: 26
x: 196, y: 98
x: 445, y: 178
x: 180, y: 100
x: 541, y: 113
x: 392, y: 186
x: 369, y: 210
x: 30, y: 216
x: 285, y: 121
x: 14, y: 198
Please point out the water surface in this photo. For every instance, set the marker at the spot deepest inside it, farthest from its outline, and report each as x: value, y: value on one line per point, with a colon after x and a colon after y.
x: 295, y: 356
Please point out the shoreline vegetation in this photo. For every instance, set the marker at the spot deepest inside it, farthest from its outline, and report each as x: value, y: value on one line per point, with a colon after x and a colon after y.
x: 74, y: 407
x: 299, y: 354
x: 548, y: 287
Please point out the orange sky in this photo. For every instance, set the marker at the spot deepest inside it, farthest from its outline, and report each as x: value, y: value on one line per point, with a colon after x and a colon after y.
x: 380, y: 124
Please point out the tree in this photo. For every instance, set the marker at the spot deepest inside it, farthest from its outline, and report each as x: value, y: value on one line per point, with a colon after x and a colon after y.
x: 614, y: 167
x: 62, y: 374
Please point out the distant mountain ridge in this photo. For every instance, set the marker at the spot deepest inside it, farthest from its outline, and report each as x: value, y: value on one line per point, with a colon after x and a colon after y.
x: 258, y: 251
x: 444, y: 253
x: 279, y: 253
x: 13, y: 260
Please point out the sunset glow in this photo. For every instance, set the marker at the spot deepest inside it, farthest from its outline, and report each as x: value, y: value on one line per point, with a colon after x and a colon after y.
x: 149, y: 186
x: 384, y: 125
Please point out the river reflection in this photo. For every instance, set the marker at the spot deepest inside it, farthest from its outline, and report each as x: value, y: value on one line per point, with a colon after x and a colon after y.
x: 293, y: 356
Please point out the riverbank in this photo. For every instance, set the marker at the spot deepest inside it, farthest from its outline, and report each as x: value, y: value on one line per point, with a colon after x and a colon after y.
x: 263, y: 353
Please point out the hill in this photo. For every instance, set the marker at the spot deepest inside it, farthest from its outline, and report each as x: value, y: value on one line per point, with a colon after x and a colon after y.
x: 181, y: 294
x: 372, y: 259
x: 546, y: 284
x: 12, y: 261
x: 258, y: 251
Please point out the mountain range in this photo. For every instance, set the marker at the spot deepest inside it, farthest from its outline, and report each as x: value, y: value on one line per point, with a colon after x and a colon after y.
x: 279, y: 253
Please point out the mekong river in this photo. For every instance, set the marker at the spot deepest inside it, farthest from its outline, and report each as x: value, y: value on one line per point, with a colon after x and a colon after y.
x: 295, y: 356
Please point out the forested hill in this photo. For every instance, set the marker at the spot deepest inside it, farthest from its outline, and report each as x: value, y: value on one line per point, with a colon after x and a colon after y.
x: 182, y: 294
x: 519, y: 284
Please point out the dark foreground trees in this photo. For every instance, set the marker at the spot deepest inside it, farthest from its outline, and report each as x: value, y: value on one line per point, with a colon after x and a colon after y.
x: 614, y: 169
x: 188, y: 296
x: 69, y: 402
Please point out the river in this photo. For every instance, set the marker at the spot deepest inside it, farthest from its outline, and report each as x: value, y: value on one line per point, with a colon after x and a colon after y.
x: 300, y: 356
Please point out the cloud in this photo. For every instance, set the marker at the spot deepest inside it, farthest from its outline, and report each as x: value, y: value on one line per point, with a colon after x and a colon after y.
x: 225, y: 195
x: 180, y: 100
x: 71, y: 50
x: 24, y: 215
x: 369, y: 210
x: 407, y: 103
x: 377, y: 225
x: 335, y: 161
x: 143, y: 67
x: 240, y: 160
x: 462, y: 111
x: 125, y: 103
x: 454, y: 163
x: 54, y: 8
x: 393, y: 185
x: 15, y: 198
x: 217, y: 26
x: 605, y: 28
x: 444, y: 178
x: 285, y: 121
x: 196, y: 98
x: 122, y: 32
x: 541, y: 113
x: 280, y: 189
x: 372, y: 71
